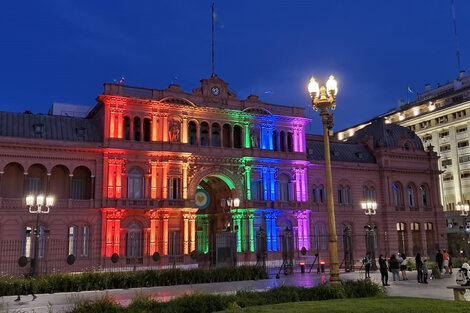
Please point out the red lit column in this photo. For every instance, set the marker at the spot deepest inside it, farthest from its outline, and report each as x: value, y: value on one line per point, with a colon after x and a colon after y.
x: 165, y: 181
x: 153, y: 180
x: 186, y: 217
x: 165, y: 217
x: 192, y: 224
x: 154, y: 127
x: 165, y: 128
x: 185, y: 180
x: 154, y: 219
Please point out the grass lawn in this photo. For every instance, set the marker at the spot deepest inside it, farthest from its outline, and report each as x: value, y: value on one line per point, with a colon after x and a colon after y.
x: 373, y: 305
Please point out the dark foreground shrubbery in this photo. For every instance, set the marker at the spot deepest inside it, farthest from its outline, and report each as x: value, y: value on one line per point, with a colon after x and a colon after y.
x: 111, y: 280
x: 206, y: 303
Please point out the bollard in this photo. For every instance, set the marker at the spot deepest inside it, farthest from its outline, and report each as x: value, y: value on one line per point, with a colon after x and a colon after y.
x: 302, y: 267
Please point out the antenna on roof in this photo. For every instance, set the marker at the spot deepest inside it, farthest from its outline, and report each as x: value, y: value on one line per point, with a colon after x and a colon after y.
x: 456, y: 36
x: 213, y: 15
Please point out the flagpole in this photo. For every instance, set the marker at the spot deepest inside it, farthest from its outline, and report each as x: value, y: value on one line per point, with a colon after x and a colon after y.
x: 213, y: 70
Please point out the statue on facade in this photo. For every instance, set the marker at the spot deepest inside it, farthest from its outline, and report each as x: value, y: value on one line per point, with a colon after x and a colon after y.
x: 174, y: 131
x: 255, y: 138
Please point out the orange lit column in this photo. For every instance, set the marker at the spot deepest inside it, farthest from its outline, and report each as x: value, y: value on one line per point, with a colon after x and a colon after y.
x: 111, y: 175
x: 192, y: 232
x: 165, y: 128
x: 113, y: 219
x: 185, y: 180
x: 154, y: 219
x: 185, y: 233
x: 119, y: 125
x: 165, y: 180
x: 112, y: 124
x: 119, y: 178
x: 165, y: 217
x: 184, y: 137
x: 154, y: 127
x: 153, y: 180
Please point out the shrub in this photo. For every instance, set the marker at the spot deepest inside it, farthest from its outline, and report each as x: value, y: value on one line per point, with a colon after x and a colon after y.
x: 362, y: 289
x: 103, y: 305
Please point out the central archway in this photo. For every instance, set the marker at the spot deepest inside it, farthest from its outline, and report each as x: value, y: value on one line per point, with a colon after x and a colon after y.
x: 211, y: 218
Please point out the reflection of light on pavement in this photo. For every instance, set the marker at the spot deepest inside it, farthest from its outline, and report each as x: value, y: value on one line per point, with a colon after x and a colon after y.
x: 323, y: 278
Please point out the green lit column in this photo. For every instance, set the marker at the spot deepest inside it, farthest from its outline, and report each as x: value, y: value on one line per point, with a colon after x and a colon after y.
x: 251, y: 216
x: 247, y: 136
x: 248, y: 182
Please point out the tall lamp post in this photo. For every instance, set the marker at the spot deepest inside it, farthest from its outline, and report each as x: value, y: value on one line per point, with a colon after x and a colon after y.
x: 230, y: 203
x: 37, y: 206
x: 370, y: 208
x: 463, y: 208
x: 324, y: 98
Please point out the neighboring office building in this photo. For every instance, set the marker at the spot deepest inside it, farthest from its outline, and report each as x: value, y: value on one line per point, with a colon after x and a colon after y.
x: 441, y: 118
x: 146, y: 171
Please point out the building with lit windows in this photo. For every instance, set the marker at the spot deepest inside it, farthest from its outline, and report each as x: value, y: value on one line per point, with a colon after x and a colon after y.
x: 149, y: 176
x: 441, y: 118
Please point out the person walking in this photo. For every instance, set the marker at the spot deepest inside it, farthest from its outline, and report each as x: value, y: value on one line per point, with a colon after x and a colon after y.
x: 394, y: 267
x: 403, y: 265
x: 383, y: 270
x: 439, y: 260
x: 445, y: 257
x: 366, y: 263
x: 419, y: 267
x: 26, y: 288
x: 424, y: 270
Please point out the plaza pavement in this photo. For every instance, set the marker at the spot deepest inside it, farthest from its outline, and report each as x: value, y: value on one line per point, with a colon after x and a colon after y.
x: 60, y: 302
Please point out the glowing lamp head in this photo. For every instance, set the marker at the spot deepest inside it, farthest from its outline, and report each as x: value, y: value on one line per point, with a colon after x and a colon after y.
x: 49, y: 201
x: 236, y: 202
x: 322, y: 262
x: 313, y: 88
x: 302, y: 263
x: 30, y: 200
x: 40, y: 200
x: 332, y: 85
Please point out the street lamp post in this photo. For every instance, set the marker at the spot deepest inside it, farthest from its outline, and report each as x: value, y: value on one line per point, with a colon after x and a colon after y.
x: 230, y: 203
x: 464, y: 208
x: 370, y: 208
x: 37, y: 206
x: 324, y: 98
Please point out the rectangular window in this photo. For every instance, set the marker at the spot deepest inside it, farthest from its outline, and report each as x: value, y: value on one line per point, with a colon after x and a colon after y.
x: 174, y: 188
x: 444, y: 134
x: 461, y: 129
x: 427, y: 138
x: 27, y: 242
x: 257, y: 190
x: 447, y: 162
x: 464, y: 159
x: 72, y: 240
x: 465, y: 174
x: 448, y: 177
x: 85, y: 241
x: 462, y: 144
x: 77, y: 189
x: 444, y: 148
x: 173, y: 247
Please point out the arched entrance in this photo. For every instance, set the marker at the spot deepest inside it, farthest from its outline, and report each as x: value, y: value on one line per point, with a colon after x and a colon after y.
x: 215, y: 239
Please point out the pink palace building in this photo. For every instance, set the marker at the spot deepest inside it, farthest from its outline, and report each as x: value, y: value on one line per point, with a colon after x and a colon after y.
x: 149, y: 176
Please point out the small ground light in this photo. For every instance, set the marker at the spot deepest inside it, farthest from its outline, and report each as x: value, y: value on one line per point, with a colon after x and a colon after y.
x: 302, y: 267
x: 322, y: 265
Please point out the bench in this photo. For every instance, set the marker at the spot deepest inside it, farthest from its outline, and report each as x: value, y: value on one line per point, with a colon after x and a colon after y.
x: 459, y: 292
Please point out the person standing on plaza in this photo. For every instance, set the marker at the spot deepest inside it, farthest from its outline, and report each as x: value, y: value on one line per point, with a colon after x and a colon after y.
x: 366, y: 263
x: 445, y: 257
x: 26, y: 288
x: 394, y: 267
x: 439, y: 260
x: 403, y: 266
x: 424, y: 269
x: 419, y: 267
x: 383, y: 270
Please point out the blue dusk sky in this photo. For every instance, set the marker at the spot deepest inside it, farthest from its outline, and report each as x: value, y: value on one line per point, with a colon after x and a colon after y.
x: 63, y: 50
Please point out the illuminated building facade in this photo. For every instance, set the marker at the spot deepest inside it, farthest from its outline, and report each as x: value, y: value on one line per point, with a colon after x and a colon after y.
x: 441, y: 118
x: 146, y: 172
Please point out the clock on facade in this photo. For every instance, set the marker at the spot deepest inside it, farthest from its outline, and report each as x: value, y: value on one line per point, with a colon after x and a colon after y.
x: 215, y: 91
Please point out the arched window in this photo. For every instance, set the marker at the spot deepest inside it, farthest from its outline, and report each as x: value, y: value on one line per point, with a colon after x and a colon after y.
x: 314, y: 194
x: 136, y: 129
x: 340, y: 195
x: 416, y: 238
x: 402, y: 238
x: 428, y: 228
x: 284, y: 188
x: 347, y: 195
x: 192, y: 133
x: 147, y: 129
x: 134, y: 240
x: 275, y: 146
x: 227, y: 136
x: 368, y: 193
x: 282, y: 141
x: 215, y: 135
x: 73, y: 232
x: 410, y: 196
x: 290, y: 142
x: 424, y: 195
x: 237, y: 137
x: 204, y: 135
x: 321, y: 194
x: 127, y: 128
x: 81, y: 184
x: 135, y: 184
x: 36, y: 180
x: 397, y: 195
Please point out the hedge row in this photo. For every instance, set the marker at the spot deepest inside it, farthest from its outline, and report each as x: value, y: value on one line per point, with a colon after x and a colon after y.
x: 10, y: 285
x: 205, y: 303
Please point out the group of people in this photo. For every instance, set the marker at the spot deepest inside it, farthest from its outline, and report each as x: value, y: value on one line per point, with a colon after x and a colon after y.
x: 398, y: 263
x: 444, y: 260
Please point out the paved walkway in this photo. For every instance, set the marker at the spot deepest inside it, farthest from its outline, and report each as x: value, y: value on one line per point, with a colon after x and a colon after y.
x: 60, y: 302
